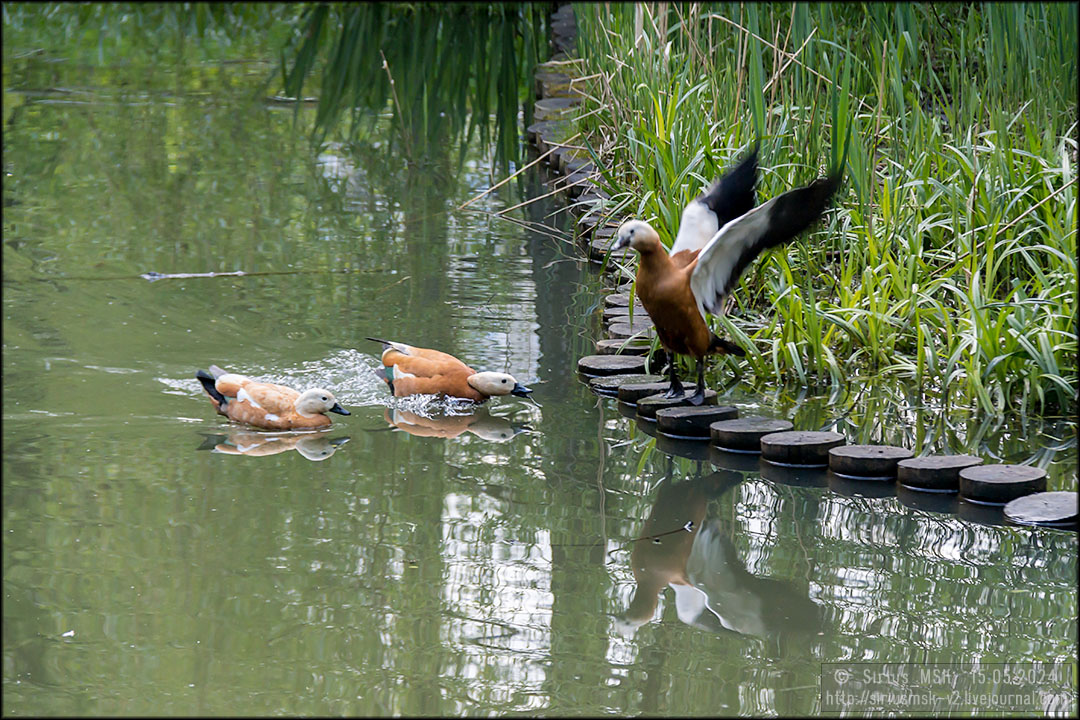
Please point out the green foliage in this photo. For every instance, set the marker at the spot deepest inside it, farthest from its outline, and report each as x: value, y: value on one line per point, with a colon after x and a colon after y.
x: 951, y: 257
x: 441, y: 69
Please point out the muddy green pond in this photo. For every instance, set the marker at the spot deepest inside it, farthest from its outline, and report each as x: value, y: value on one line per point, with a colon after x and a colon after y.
x: 528, y: 558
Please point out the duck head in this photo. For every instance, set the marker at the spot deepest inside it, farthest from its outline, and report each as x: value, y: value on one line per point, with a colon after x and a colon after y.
x: 637, y: 235
x: 317, y: 401
x: 497, y: 383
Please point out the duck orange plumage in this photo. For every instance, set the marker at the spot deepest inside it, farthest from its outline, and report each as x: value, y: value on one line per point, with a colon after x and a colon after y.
x: 678, y: 289
x: 412, y: 370
x: 266, y: 405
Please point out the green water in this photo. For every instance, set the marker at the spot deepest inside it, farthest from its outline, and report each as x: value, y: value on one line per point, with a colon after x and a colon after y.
x: 496, y: 570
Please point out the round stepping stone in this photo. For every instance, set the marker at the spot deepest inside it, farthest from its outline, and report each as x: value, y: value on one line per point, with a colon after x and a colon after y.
x: 800, y: 447
x: 623, y: 311
x: 793, y: 476
x: 690, y: 449
x: 618, y: 299
x: 741, y: 462
x: 648, y: 406
x: 555, y: 107
x: 610, y: 384
x: 630, y: 393
x: 690, y: 422
x: 744, y: 434
x: 934, y: 473
x: 998, y: 484
x: 857, y: 488
x: 979, y: 513
x: 649, y: 428
x: 935, y: 502
x: 613, y: 346
x: 867, y: 462
x: 597, y: 365
x: 627, y: 411
x: 1053, y: 509
x: 641, y: 327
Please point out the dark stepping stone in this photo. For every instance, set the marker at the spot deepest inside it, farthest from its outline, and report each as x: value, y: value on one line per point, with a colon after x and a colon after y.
x: 552, y: 84
x: 627, y: 411
x: 934, y: 473
x: 600, y: 245
x: 691, y: 449
x: 555, y: 107
x: 648, y: 406
x: 690, y: 422
x: 1054, y: 509
x: 617, y: 299
x: 610, y: 384
x: 856, y: 488
x: 800, y: 447
x: 979, y: 513
x: 793, y: 476
x: 936, y: 502
x: 612, y: 346
x: 597, y: 365
x: 630, y: 393
x: 998, y: 484
x: 641, y: 327
x: 744, y: 434
x: 741, y: 462
x: 623, y: 311
x: 867, y: 462
x: 645, y: 426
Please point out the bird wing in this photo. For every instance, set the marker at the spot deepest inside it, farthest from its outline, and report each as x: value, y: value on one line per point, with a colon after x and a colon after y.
x: 276, y: 399
x: 728, y: 198
x: 735, y: 246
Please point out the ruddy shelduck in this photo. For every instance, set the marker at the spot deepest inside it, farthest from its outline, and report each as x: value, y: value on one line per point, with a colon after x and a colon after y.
x: 728, y: 198
x: 266, y: 405
x: 678, y: 289
x: 412, y: 370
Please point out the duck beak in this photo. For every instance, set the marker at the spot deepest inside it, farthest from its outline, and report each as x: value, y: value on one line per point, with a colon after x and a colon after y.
x: 339, y: 410
x: 520, y: 390
x: 623, y: 241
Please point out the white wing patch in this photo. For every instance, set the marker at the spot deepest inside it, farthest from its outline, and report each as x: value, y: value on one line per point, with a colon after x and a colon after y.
x: 714, y: 277
x: 272, y: 417
x: 243, y: 395
x: 698, y: 224
x: 400, y: 347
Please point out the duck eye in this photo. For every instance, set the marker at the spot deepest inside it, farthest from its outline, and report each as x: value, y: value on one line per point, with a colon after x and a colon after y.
x: 504, y: 381
x: 324, y: 398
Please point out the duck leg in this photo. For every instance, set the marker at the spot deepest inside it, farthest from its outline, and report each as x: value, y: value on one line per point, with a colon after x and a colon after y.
x: 676, y: 389
x: 699, y: 395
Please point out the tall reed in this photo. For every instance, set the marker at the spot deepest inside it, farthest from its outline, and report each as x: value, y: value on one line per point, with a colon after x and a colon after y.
x: 951, y: 257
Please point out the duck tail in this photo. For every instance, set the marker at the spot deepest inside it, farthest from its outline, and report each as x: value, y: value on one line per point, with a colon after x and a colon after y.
x: 209, y: 385
x: 725, y: 347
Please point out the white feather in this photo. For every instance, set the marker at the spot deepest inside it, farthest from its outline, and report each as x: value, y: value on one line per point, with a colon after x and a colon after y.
x: 697, y: 226
x: 243, y: 395
x: 713, y: 278
x: 400, y: 347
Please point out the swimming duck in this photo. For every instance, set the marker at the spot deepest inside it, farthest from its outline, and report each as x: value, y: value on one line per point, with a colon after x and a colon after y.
x: 418, y: 371
x: 677, y: 290
x: 728, y: 198
x: 266, y: 405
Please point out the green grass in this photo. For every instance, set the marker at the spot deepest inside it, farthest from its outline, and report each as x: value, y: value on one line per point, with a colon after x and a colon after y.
x: 950, y: 260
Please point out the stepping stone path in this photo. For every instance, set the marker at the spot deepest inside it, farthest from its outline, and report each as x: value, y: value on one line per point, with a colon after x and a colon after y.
x: 598, y: 365
x: 1053, y: 509
x: 800, y: 447
x: 934, y: 473
x: 630, y: 393
x: 690, y: 449
x: 867, y: 462
x: 611, y: 346
x: 647, y: 407
x: 610, y: 384
x: 690, y: 422
x: 744, y: 434
x: 794, y: 476
x: 642, y: 327
x: 939, y: 502
x: 998, y: 484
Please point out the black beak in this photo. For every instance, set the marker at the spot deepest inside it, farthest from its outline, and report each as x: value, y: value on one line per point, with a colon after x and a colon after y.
x: 339, y: 441
x: 623, y: 241
x: 339, y: 410
x: 520, y: 390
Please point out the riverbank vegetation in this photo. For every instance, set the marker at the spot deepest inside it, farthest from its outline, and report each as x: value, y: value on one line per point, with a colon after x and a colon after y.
x: 950, y: 260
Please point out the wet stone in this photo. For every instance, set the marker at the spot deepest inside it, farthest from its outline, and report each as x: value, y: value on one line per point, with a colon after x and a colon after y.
x: 624, y: 312
x: 647, y: 407
x: 597, y: 365
x: 998, y: 484
x: 612, y: 346
x: 980, y: 513
x: 743, y: 435
x: 618, y: 299
x: 800, y: 447
x: 610, y: 384
x: 642, y: 327
x: 937, y: 502
x: 857, y: 488
x: 630, y: 393
x: 690, y: 422
x: 867, y: 462
x: 600, y: 247
x: 690, y: 449
x: 1053, y: 509
x: 741, y: 462
x: 934, y: 473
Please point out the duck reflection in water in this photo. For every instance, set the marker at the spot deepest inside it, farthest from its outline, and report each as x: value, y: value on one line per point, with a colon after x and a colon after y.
x: 713, y: 589
x: 480, y: 423
x: 314, y: 446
